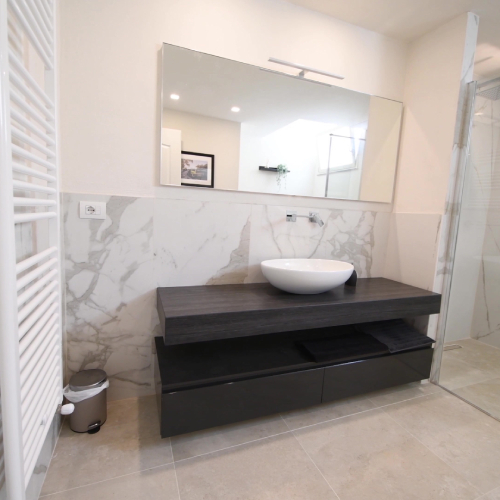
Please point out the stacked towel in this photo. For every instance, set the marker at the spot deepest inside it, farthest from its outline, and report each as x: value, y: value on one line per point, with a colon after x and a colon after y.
x: 344, y: 348
x: 369, y: 340
x: 395, y: 334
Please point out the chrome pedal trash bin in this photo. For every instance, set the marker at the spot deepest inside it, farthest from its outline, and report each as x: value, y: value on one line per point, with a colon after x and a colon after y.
x: 87, y: 390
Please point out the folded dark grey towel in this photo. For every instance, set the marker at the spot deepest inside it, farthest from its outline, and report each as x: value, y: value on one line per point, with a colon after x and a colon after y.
x: 395, y: 334
x: 350, y: 347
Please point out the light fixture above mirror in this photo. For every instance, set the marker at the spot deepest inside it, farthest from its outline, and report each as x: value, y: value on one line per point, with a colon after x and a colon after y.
x: 294, y: 137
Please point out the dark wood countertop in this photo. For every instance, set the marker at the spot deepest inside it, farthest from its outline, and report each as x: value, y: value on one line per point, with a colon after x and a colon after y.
x: 203, y: 313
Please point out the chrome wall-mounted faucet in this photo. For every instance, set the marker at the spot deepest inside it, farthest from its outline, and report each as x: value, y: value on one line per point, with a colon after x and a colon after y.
x: 313, y: 217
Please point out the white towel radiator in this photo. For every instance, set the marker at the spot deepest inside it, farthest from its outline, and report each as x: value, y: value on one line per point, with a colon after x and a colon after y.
x: 30, y: 294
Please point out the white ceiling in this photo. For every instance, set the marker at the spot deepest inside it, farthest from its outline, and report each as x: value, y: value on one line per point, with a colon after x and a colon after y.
x: 210, y: 85
x: 410, y: 19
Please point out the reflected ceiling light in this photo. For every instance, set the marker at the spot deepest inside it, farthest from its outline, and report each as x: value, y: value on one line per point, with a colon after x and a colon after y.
x: 478, y: 114
x: 235, y: 109
x: 175, y: 97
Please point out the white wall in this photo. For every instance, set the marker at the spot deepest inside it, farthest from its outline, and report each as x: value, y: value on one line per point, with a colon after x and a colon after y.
x: 294, y: 145
x: 432, y: 88
x: 204, y: 134
x: 110, y: 81
x: 436, y: 74
x: 110, y: 72
x: 110, y: 142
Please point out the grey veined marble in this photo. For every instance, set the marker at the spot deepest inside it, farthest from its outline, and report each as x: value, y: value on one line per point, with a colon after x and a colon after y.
x: 113, y: 266
x: 110, y: 285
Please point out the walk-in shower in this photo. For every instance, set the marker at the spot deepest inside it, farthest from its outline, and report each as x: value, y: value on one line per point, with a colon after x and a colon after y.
x: 470, y: 366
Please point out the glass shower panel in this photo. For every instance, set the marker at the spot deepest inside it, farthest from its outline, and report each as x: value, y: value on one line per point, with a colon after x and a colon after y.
x: 471, y: 359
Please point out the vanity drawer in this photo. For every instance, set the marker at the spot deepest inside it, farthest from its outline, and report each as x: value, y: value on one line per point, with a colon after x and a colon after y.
x: 201, y: 408
x: 360, y: 377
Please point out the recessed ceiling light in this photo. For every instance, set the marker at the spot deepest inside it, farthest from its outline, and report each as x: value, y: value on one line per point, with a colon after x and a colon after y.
x: 235, y: 109
x: 175, y: 97
x: 478, y: 114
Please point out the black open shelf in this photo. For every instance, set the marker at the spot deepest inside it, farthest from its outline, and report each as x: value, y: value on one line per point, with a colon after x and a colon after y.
x: 207, y: 384
x: 233, y: 352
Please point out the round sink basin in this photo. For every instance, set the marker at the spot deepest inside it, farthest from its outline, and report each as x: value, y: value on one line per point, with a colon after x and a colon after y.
x: 306, y: 276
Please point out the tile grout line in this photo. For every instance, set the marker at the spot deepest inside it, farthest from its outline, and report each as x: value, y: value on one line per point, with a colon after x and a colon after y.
x: 312, y: 461
x: 487, y: 493
x: 362, y: 411
x: 438, y: 457
x: 298, y: 428
x: 106, y: 480
x: 175, y: 469
x: 232, y: 446
x: 468, y: 364
x: 470, y: 403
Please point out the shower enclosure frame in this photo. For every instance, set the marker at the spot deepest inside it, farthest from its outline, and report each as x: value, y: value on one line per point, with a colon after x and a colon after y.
x: 451, y: 219
x: 455, y: 212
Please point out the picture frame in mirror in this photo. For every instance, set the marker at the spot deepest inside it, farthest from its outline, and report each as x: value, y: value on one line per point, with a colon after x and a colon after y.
x: 197, y: 169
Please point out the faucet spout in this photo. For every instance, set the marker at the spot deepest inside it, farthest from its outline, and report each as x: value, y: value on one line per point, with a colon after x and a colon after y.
x: 314, y: 217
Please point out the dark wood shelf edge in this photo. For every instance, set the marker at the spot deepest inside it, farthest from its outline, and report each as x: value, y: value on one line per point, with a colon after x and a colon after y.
x: 224, y: 312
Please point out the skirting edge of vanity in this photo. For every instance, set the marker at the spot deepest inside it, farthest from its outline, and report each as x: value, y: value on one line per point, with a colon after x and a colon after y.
x: 249, y: 364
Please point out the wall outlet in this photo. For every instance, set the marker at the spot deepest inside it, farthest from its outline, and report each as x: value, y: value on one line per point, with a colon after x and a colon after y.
x: 92, y: 210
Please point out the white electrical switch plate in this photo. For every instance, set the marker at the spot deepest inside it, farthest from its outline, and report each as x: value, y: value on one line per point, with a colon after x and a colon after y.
x: 92, y: 210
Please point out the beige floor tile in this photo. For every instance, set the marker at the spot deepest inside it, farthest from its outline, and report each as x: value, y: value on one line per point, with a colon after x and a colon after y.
x: 462, y: 436
x: 271, y: 469
x: 328, y: 411
x: 369, y: 456
x: 492, y: 495
x: 81, y: 459
x: 478, y: 355
x: 153, y: 484
x: 455, y: 373
x: 142, y: 409
x: 218, y: 438
x: 485, y: 395
x: 401, y: 393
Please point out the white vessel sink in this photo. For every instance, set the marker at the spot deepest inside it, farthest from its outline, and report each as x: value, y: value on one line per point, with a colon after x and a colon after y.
x: 306, y: 276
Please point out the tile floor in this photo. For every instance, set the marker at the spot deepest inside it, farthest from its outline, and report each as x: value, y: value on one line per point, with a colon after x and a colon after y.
x: 412, y: 442
x: 473, y: 373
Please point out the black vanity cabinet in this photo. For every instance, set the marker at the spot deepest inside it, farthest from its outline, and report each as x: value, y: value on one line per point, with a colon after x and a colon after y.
x: 232, y: 352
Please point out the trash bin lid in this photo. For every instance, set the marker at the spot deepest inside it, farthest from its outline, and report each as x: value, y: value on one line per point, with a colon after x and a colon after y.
x: 87, y: 379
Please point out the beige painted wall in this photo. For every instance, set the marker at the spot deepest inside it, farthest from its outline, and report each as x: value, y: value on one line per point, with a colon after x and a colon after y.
x: 381, y: 150
x: 437, y: 69
x: 109, y: 72
x: 203, y: 134
x: 433, y: 79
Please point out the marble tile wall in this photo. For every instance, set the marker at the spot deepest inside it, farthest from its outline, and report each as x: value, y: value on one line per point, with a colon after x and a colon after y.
x: 113, y: 266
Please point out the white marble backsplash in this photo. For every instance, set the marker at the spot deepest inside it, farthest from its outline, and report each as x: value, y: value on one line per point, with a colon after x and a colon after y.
x: 114, y: 266
x: 110, y: 291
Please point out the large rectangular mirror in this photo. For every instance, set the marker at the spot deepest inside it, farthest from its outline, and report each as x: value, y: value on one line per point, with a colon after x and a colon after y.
x: 234, y: 126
